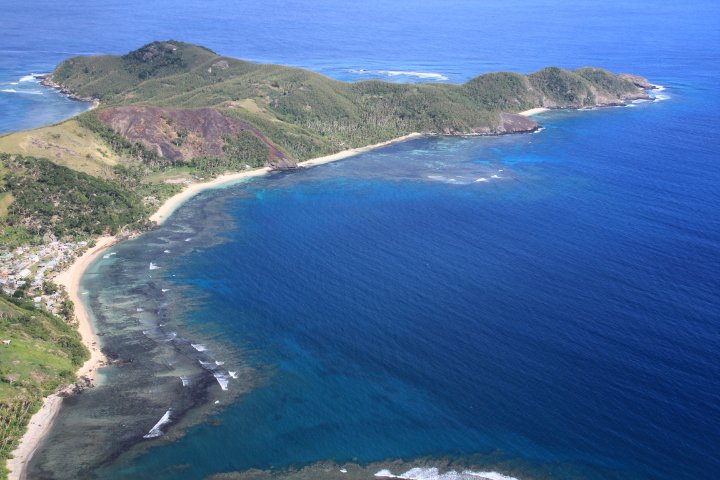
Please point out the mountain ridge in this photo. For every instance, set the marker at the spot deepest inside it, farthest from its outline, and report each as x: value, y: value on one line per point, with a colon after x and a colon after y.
x: 304, y: 114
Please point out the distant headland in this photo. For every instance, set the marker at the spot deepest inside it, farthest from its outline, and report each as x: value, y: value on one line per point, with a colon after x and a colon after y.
x: 191, y: 102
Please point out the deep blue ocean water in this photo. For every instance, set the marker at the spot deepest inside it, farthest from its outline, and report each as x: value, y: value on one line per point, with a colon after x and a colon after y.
x: 565, y: 313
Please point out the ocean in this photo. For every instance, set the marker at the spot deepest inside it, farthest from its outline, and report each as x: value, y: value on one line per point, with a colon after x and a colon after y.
x: 541, y: 306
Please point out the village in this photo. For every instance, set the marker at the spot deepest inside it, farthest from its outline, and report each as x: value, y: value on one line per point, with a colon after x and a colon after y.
x: 28, y: 271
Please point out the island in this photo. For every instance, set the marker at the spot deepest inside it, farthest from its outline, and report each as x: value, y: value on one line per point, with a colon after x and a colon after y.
x: 168, y: 120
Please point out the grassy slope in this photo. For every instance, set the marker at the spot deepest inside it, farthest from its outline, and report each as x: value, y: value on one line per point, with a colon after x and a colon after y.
x: 6, y: 199
x: 66, y: 143
x: 43, y: 354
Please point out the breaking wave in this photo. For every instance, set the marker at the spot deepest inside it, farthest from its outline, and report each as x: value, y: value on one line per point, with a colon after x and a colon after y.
x: 658, y: 97
x: 222, y: 379
x: 156, y: 430
x: 22, y: 92
x: 433, y: 473
x: 438, y: 77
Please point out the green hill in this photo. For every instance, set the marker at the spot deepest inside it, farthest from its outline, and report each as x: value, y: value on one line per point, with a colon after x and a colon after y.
x: 306, y: 114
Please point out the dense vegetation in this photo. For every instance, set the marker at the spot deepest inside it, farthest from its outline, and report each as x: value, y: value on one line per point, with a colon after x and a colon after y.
x: 52, y: 199
x: 245, y: 149
x: 242, y: 151
x: 43, y: 353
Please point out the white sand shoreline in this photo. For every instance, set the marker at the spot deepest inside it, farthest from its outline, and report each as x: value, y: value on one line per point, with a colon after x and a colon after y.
x: 172, y: 203
x: 533, y: 111
x: 41, y: 421
x: 38, y: 427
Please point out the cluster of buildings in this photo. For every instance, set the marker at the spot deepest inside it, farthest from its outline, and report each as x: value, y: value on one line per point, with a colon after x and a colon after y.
x: 27, y: 269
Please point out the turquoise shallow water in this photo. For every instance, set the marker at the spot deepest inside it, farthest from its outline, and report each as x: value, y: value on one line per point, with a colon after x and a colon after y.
x: 562, y: 317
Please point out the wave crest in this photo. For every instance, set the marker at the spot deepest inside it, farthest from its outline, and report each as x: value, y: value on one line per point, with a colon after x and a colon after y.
x: 22, y: 92
x: 438, y: 77
x: 433, y: 473
x: 156, y: 431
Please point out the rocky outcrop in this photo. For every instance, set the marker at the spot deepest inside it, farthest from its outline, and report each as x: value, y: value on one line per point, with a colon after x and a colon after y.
x: 638, y: 81
x: 515, y: 123
x: 47, y: 81
x: 183, y: 134
x: 509, y: 123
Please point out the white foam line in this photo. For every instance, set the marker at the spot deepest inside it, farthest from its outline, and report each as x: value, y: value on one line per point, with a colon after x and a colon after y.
x: 434, y: 474
x: 22, y: 92
x: 156, y: 430
x: 396, y: 73
x: 489, y: 475
x: 401, y: 73
x: 222, y: 379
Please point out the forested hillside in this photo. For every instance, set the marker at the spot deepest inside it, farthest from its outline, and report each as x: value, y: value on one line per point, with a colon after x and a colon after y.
x: 306, y: 114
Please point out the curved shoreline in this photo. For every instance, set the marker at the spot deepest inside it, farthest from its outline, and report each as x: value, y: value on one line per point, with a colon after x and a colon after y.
x: 41, y: 422
x: 172, y: 203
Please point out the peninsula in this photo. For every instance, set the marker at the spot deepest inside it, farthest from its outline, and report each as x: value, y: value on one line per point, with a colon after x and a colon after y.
x: 169, y: 118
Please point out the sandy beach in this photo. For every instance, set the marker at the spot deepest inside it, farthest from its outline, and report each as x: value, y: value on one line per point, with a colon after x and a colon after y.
x: 41, y: 422
x: 172, y: 203
x: 533, y: 111
x: 70, y: 280
x: 38, y: 427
